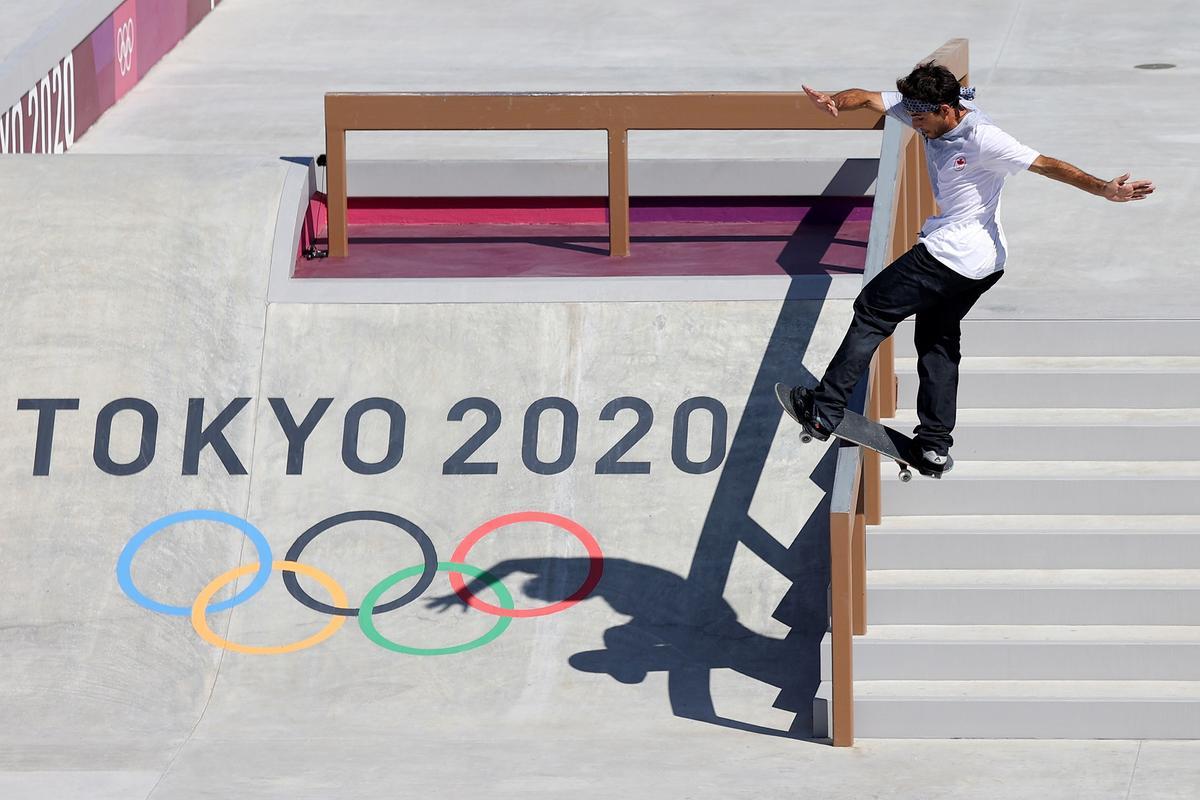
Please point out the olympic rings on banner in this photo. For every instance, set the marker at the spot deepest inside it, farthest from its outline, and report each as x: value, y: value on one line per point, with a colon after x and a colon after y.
x: 340, y: 609
x: 368, y: 624
x: 595, y: 567
x: 125, y: 561
x: 200, y: 622
x: 413, y: 530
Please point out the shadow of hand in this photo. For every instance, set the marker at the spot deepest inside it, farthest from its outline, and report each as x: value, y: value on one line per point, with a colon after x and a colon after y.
x: 445, y: 602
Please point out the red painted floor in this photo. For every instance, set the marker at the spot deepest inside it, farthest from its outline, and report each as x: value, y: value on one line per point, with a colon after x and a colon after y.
x: 827, y: 237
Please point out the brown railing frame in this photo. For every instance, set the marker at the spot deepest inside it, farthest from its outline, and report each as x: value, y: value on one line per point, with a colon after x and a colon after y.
x: 616, y: 113
x: 902, y: 170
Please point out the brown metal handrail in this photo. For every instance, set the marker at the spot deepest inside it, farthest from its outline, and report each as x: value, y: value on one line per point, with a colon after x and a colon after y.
x: 616, y: 113
x: 909, y: 204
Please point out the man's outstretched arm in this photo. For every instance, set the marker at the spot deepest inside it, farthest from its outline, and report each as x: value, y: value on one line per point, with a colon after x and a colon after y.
x: 1119, y: 189
x: 847, y: 100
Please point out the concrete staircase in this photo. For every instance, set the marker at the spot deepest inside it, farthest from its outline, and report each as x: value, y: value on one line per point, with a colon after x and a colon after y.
x: 1050, y: 586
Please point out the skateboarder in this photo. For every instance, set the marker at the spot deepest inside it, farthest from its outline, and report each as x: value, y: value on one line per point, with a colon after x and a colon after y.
x: 959, y: 255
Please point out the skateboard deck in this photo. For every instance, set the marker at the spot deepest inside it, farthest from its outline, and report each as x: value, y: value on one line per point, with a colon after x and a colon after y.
x: 857, y: 429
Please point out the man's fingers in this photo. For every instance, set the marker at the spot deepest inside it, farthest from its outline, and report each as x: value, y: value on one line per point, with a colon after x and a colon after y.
x: 823, y: 100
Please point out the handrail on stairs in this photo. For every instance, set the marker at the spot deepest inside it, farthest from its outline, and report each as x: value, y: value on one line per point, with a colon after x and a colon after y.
x: 903, y: 200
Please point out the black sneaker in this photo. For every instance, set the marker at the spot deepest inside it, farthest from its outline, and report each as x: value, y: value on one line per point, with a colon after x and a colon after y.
x: 936, y: 462
x: 797, y: 401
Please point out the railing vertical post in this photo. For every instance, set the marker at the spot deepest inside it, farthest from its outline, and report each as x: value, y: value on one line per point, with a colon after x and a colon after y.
x: 899, y: 237
x: 912, y: 191
x: 335, y: 190
x: 841, y: 626
x: 885, y: 378
x: 927, y: 204
x: 859, y: 557
x: 618, y: 192
x: 872, y: 487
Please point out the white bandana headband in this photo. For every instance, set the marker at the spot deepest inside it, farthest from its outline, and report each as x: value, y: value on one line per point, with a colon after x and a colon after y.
x: 914, y: 106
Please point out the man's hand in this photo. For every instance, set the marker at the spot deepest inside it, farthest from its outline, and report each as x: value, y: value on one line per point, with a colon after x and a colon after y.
x: 445, y: 603
x: 821, y: 101
x: 1122, y: 190
x: 846, y: 100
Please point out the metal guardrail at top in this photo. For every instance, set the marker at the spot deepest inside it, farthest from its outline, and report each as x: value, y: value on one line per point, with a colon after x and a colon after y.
x: 856, y: 501
x: 616, y: 113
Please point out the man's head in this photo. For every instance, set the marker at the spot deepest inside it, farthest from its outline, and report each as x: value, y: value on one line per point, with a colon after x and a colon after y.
x: 931, y: 94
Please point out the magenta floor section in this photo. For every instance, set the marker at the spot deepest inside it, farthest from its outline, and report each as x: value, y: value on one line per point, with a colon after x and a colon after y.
x: 830, y: 239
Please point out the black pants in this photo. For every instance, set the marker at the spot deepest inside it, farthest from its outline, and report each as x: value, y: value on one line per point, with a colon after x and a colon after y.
x: 916, y: 283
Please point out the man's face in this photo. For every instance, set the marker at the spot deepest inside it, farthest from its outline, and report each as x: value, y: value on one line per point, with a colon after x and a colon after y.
x: 935, y: 123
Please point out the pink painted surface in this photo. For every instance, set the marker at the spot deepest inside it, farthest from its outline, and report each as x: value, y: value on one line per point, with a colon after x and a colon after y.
x: 570, y: 210
x: 829, y: 237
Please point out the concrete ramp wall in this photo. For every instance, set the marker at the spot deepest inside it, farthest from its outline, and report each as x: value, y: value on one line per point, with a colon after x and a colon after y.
x: 623, y: 461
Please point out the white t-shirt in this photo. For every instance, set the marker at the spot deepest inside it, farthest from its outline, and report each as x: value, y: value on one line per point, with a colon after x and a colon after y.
x: 967, y: 168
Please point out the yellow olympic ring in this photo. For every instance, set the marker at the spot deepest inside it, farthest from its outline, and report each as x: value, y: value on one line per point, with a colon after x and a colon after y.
x: 200, y: 622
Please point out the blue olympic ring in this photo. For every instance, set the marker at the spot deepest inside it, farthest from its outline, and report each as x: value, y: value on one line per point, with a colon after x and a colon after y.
x: 125, y: 562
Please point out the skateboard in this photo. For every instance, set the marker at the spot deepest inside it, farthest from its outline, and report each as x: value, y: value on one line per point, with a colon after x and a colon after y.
x: 861, y: 431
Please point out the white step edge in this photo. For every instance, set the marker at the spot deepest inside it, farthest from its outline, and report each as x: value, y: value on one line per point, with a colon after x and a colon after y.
x: 1019, y: 709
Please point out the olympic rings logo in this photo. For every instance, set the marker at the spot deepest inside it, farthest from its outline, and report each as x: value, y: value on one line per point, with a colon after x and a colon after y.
x: 125, y: 47
x: 340, y: 609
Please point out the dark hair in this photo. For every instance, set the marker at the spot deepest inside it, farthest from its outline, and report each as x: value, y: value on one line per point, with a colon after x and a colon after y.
x: 932, y: 83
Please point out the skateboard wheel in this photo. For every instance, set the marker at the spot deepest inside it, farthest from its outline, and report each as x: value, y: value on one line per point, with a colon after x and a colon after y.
x: 905, y: 475
x: 805, y: 438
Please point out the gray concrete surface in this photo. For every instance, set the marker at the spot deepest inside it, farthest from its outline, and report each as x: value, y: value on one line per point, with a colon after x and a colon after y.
x: 1060, y: 78
x: 162, y: 294
x: 682, y: 177
x: 709, y: 584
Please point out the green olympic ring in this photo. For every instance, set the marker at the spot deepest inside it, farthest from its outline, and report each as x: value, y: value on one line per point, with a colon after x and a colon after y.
x: 367, y: 622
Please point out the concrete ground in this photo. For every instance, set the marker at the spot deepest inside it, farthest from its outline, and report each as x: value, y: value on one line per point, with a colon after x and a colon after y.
x: 1060, y: 78
x: 686, y: 673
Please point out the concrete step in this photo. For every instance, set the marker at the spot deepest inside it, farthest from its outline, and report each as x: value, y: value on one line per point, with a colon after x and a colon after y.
x: 1019, y: 709
x: 1035, y: 542
x: 1048, y: 487
x: 1070, y: 434
x: 1023, y: 652
x: 1042, y: 337
x: 1034, y: 597
x: 1061, y: 382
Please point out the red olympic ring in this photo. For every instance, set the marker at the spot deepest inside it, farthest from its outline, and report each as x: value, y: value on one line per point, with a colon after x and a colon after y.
x: 595, y: 569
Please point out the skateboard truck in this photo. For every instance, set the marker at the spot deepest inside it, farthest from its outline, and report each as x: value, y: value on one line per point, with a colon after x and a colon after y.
x: 905, y: 473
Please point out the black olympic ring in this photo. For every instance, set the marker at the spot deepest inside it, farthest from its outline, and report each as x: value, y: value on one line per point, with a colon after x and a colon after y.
x: 411, y: 528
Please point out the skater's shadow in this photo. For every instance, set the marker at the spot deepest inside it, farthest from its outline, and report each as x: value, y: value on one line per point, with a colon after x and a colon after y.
x: 686, y: 630
x: 683, y: 625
